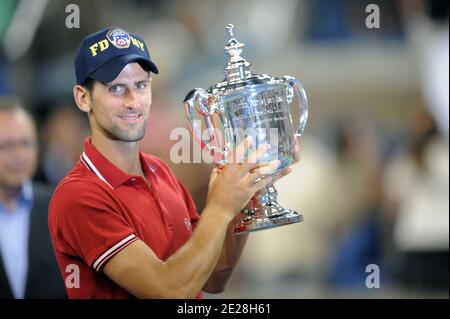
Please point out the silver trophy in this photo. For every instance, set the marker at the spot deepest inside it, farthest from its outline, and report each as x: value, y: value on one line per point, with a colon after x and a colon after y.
x: 245, y: 104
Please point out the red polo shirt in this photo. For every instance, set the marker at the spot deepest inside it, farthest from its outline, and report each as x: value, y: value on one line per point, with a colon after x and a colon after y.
x: 97, y: 210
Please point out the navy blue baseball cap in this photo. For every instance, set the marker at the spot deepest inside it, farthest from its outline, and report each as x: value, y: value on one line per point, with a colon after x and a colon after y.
x: 103, y: 55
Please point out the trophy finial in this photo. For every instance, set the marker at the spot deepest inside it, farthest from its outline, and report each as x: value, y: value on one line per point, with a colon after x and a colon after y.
x: 237, y: 67
x: 230, y: 29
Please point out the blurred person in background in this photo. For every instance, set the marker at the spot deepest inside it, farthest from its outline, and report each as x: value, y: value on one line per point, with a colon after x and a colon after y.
x: 416, y: 186
x: 427, y: 26
x: 62, y: 136
x: 358, y: 238
x: 416, y: 181
x: 28, y: 267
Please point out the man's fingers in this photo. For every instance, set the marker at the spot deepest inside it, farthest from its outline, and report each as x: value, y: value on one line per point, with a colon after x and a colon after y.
x: 262, y: 182
x: 283, y: 173
x: 238, y: 154
x: 215, y: 172
x: 270, y: 168
x: 263, y: 172
x: 296, y: 152
x: 255, y: 156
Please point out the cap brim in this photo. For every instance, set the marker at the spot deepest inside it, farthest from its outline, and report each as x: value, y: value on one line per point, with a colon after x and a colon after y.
x: 111, y: 69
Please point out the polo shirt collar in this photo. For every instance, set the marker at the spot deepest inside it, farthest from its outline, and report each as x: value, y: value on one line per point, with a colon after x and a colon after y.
x: 104, y: 169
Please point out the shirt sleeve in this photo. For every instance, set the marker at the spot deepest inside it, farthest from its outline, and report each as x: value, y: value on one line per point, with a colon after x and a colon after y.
x: 89, y: 223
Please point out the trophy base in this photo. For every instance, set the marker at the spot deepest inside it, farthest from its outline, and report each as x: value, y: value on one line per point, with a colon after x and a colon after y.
x: 256, y: 222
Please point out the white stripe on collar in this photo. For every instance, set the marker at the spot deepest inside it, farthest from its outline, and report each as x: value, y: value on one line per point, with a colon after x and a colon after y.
x: 91, y: 166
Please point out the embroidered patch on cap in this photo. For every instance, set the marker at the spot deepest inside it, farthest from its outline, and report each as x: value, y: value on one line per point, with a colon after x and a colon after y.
x: 119, y: 38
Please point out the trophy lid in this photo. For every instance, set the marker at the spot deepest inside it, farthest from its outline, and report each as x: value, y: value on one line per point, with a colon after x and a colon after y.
x: 237, y: 71
x: 237, y: 67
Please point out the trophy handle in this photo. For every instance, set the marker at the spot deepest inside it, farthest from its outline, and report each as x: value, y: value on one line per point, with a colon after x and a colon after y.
x: 205, y: 104
x: 295, y: 86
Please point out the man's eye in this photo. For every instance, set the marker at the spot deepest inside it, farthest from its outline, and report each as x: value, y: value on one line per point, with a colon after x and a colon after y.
x: 117, y: 89
x: 141, y: 85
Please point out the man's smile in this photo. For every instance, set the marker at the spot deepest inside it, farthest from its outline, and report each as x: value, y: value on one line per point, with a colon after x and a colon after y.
x: 131, y: 118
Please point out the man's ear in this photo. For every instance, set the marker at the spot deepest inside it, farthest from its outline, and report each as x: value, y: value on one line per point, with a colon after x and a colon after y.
x: 82, y: 98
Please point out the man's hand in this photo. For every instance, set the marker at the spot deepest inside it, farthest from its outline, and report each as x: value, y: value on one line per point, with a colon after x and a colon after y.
x: 232, y: 186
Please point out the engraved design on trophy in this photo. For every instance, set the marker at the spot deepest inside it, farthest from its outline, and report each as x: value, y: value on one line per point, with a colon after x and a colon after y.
x: 245, y: 104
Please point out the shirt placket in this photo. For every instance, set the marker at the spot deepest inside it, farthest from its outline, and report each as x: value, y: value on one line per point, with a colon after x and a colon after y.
x: 155, y: 192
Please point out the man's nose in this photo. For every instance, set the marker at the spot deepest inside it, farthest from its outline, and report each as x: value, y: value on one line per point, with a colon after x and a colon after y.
x: 131, y: 101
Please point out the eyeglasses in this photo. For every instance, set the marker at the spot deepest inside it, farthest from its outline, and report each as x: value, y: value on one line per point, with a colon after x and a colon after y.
x: 8, y: 146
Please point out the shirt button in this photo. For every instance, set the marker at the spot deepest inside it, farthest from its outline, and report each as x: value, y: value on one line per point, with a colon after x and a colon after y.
x: 133, y: 180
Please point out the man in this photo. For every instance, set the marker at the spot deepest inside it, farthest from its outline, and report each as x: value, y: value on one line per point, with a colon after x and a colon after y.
x: 121, y: 222
x: 28, y: 267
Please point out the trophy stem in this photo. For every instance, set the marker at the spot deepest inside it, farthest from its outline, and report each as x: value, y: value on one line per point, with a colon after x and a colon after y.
x: 264, y: 212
